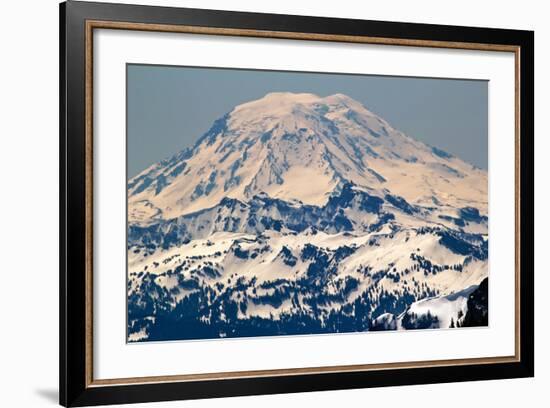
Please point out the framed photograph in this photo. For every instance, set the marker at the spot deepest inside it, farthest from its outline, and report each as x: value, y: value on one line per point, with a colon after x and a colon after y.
x: 256, y: 203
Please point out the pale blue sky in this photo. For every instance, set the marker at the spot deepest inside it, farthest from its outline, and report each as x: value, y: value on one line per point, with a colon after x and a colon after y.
x: 169, y: 108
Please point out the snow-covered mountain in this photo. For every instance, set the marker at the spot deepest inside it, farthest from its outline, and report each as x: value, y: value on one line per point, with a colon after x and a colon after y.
x: 301, y: 147
x: 300, y: 214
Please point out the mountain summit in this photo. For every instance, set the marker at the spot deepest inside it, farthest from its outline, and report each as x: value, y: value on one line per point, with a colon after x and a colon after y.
x: 301, y: 147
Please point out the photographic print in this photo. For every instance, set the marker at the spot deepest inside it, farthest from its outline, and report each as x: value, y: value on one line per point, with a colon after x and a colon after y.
x: 266, y: 203
x: 261, y: 203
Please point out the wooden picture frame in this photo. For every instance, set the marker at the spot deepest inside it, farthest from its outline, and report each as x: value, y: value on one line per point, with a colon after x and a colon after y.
x: 78, y: 20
